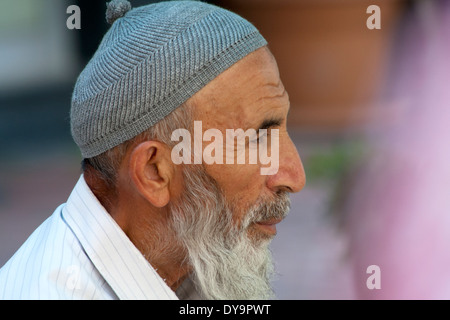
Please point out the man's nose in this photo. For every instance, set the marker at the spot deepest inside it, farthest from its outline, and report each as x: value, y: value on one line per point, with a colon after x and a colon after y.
x: 291, y: 174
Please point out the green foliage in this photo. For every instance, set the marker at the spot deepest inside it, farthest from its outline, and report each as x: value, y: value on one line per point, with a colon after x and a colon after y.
x: 334, y: 162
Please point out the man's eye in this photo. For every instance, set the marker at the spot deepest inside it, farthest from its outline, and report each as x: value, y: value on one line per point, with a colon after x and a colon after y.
x: 262, y: 135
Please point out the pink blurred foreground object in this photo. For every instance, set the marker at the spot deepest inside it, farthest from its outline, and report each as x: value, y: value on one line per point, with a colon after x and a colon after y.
x: 399, y: 211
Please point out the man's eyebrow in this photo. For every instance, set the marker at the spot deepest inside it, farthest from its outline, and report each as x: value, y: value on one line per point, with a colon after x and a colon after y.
x: 272, y: 122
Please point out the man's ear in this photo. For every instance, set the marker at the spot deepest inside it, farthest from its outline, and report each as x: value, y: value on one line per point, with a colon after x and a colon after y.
x: 150, y: 169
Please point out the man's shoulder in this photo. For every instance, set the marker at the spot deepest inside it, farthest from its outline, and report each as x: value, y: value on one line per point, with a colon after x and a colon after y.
x: 51, y: 264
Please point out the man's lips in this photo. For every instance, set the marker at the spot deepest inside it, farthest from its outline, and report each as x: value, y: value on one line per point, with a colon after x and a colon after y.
x: 268, y: 226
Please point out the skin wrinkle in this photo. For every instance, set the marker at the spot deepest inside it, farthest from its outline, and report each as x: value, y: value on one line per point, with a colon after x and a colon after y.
x: 279, y: 95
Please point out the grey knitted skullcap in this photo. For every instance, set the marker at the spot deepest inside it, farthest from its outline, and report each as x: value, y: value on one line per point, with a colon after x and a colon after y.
x: 152, y: 59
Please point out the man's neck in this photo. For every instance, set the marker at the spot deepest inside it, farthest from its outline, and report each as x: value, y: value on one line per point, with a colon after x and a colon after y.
x: 145, y: 230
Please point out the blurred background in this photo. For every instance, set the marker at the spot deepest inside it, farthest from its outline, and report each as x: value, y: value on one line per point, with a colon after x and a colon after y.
x: 370, y: 117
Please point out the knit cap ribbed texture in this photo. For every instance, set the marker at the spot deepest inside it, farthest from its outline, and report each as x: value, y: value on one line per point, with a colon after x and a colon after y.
x: 152, y: 59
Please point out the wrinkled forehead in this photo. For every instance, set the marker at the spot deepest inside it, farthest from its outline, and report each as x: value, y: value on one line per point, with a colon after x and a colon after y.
x: 248, y: 90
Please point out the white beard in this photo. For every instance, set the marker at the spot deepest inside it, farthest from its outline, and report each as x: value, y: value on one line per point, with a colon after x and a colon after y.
x: 226, y: 263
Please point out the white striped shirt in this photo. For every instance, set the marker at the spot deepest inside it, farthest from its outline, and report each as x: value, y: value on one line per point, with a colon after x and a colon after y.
x: 80, y: 252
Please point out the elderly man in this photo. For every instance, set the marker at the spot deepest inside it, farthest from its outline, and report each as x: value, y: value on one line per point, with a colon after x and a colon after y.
x: 138, y: 225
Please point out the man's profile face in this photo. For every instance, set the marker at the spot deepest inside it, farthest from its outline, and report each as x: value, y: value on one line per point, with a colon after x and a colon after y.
x: 250, y: 95
x: 227, y: 214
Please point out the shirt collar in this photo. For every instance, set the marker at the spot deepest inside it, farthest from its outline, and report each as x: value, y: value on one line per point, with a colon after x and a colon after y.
x: 120, y: 263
